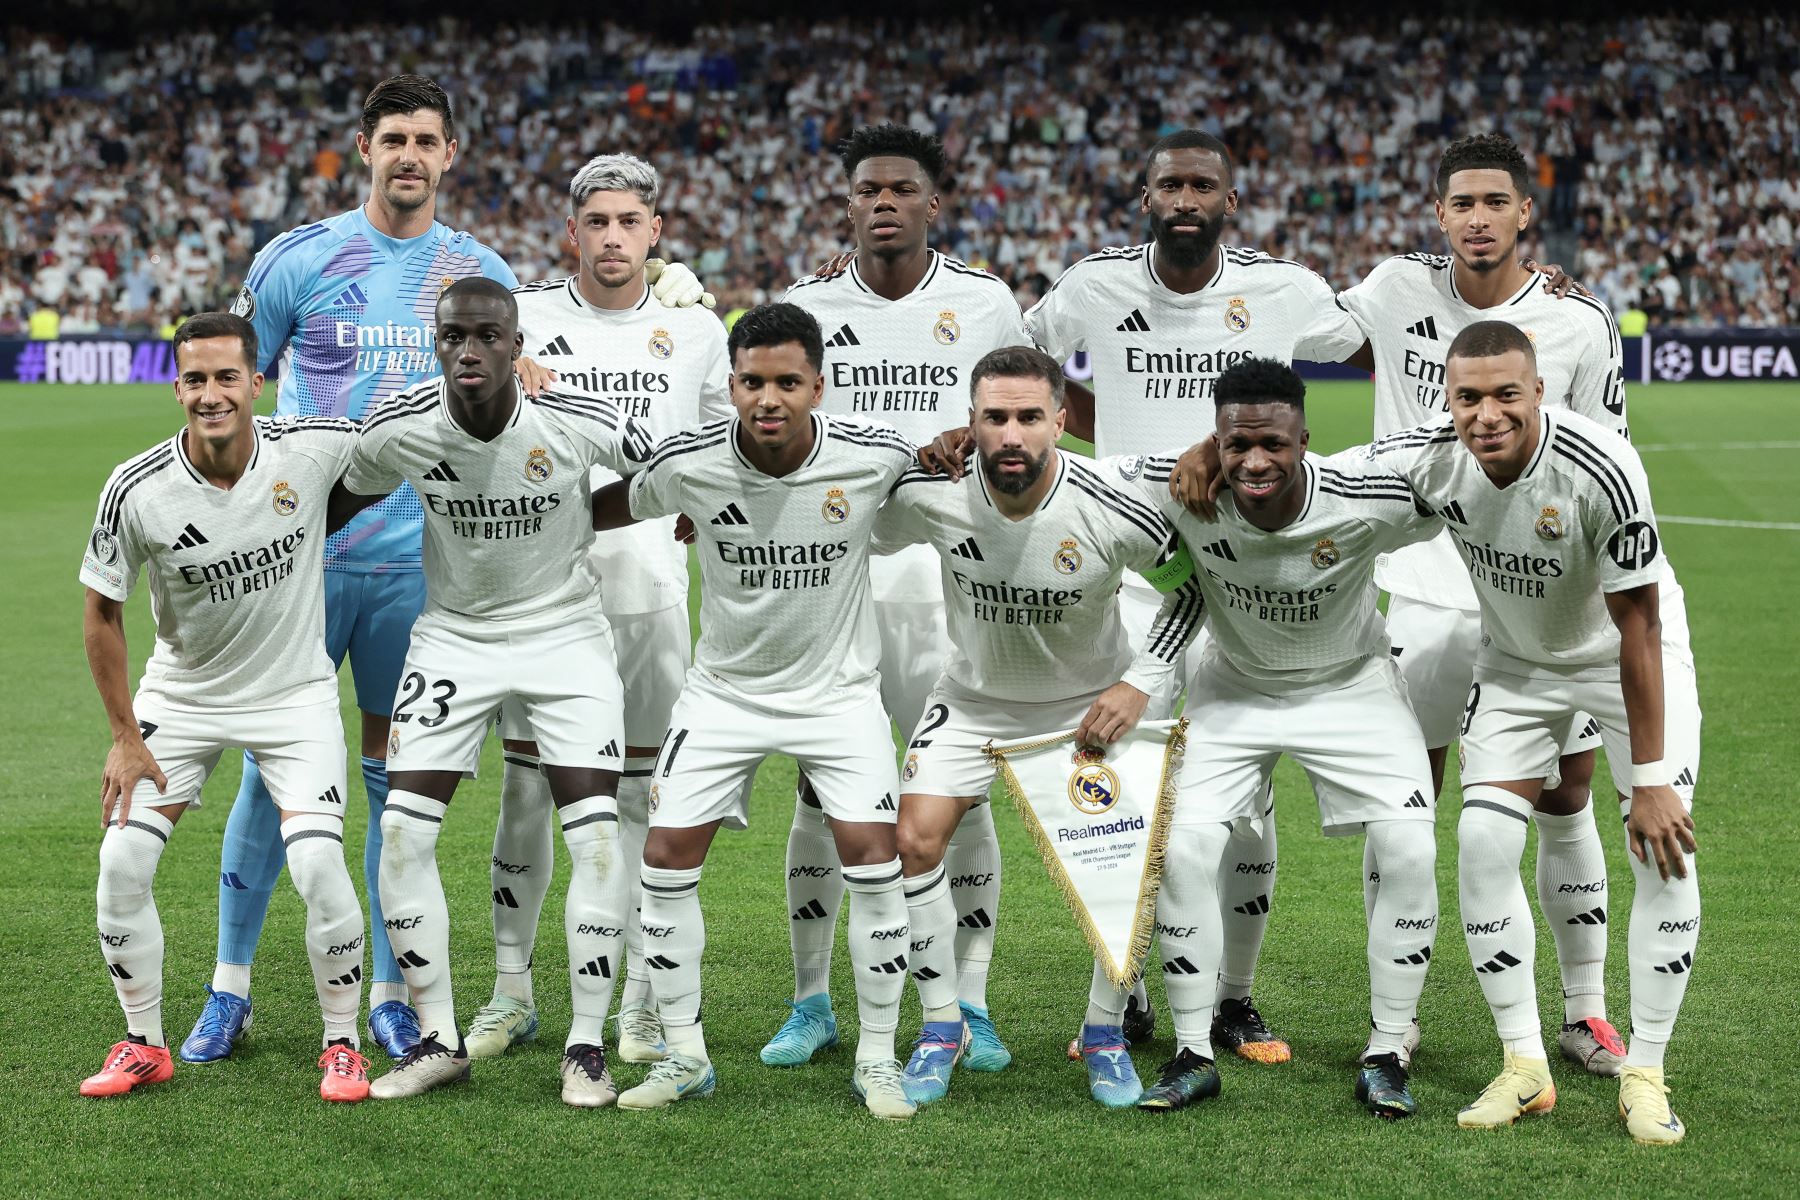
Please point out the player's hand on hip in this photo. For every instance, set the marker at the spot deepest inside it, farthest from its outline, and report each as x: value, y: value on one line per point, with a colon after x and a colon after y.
x: 1196, y: 480
x: 534, y: 377
x: 128, y: 762
x: 1557, y: 282
x: 1659, y: 826
x: 675, y: 285
x: 836, y: 265
x: 948, y: 452
x: 684, y: 529
x: 1114, y: 713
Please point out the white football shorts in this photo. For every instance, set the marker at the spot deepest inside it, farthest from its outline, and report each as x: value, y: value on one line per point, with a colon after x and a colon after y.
x: 943, y: 756
x: 557, y: 672
x: 914, y: 642
x: 655, y: 650
x: 717, y: 739
x: 1359, y: 744
x: 1515, y: 725
x: 300, y: 751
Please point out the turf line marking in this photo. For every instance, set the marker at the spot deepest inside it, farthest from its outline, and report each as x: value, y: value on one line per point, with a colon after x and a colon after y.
x: 1664, y: 446
x: 1784, y: 526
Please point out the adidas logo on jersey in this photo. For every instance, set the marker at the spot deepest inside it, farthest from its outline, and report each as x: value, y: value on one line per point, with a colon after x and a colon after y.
x: 1415, y: 801
x: 558, y: 345
x: 967, y: 549
x: 843, y: 337
x: 1453, y: 512
x: 1426, y: 329
x: 730, y: 515
x: 351, y: 297
x: 1135, y: 323
x: 1220, y: 549
x: 442, y: 474
x: 190, y: 537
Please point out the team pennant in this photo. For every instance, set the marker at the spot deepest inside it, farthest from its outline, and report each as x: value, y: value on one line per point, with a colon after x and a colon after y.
x: 1100, y: 819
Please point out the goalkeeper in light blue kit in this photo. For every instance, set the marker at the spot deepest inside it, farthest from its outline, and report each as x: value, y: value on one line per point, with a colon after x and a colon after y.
x: 347, y: 304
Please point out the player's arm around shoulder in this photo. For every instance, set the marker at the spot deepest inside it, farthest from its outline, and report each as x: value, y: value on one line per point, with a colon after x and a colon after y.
x: 659, y: 487
x: 613, y: 438
x: 1384, y: 500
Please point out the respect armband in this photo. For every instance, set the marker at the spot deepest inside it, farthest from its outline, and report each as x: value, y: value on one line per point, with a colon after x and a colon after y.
x: 1170, y: 575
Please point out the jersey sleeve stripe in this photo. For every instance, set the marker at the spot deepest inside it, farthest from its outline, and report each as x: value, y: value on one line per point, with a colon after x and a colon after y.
x: 113, y: 501
x: 1106, y: 490
x: 1152, y: 523
x: 879, y: 441
x: 1383, y: 496
x: 1604, y: 472
x: 668, y: 450
x: 1606, y: 318
x: 605, y: 413
x: 399, y: 406
x: 1107, y: 254
x: 1190, y: 611
x: 298, y: 237
x: 1602, y: 459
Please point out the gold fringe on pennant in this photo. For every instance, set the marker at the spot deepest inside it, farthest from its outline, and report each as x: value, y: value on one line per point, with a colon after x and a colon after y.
x: 1143, y: 924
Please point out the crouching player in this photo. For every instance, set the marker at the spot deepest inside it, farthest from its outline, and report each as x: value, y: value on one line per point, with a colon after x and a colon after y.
x: 228, y: 517
x: 1034, y: 543
x: 1298, y: 665
x: 784, y: 502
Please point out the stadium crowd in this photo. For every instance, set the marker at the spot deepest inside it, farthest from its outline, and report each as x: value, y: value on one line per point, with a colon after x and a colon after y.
x: 136, y: 183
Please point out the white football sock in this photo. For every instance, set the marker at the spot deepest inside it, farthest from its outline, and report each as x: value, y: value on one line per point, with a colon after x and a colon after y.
x: 1191, y: 930
x: 382, y: 993
x: 674, y: 940
x: 972, y: 864
x: 524, y: 859
x: 1403, y: 928
x: 1571, y: 888
x: 231, y: 977
x: 878, y: 950
x: 1371, y: 876
x: 1496, y: 916
x: 1106, y: 1000
x: 412, y: 903
x: 1246, y: 888
x: 815, y: 892
x: 932, y: 917
x: 595, y: 913
x: 1665, y: 930
x: 634, y: 828
x: 131, y: 937
x: 314, y: 843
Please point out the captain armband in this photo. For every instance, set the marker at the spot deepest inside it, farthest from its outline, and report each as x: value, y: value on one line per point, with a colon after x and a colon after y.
x: 1171, y: 574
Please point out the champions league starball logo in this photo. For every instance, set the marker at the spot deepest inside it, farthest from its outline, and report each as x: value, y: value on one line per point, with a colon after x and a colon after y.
x: 1093, y: 786
x: 287, y: 500
x: 1673, y: 361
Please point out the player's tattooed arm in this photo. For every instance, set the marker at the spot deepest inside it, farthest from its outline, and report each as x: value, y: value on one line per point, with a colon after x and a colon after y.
x: 1196, y: 480
x: 612, y: 506
x: 948, y: 453
x: 1557, y: 281
x: 343, y: 505
x: 1658, y: 826
x: 129, y: 760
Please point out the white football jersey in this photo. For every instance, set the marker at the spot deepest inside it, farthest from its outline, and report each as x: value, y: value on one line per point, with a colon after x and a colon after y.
x: 1155, y: 353
x: 1032, y: 605
x: 237, y: 578
x: 508, y: 523
x: 785, y: 614
x: 1543, y: 551
x: 1410, y: 310
x: 667, y: 368
x: 907, y: 362
x: 1294, y: 609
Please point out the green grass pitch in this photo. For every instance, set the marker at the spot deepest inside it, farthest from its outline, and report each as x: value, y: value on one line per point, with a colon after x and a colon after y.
x: 255, y: 1125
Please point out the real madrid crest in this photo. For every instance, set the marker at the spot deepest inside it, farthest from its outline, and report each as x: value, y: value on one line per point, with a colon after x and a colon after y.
x: 1325, y: 554
x: 836, y: 508
x: 661, y: 344
x: 947, y: 331
x: 1237, y: 315
x: 287, y: 500
x: 655, y: 797
x: 910, y: 769
x: 1068, y: 557
x: 1093, y: 786
x: 393, y: 743
x: 1549, y: 524
x: 538, y: 467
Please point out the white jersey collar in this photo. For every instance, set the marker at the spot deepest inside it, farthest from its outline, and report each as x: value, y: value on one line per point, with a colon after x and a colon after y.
x: 573, y: 289
x: 737, y: 451
x: 932, y: 261
x: 187, y: 463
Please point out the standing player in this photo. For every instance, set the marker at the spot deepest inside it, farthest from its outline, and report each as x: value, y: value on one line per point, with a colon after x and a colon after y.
x: 512, y: 617
x: 1411, y: 307
x: 600, y: 331
x: 1298, y: 665
x: 784, y: 501
x: 905, y: 325
x: 220, y: 517
x: 1555, y: 528
x: 1160, y: 323
x: 1033, y: 544
x: 346, y: 303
